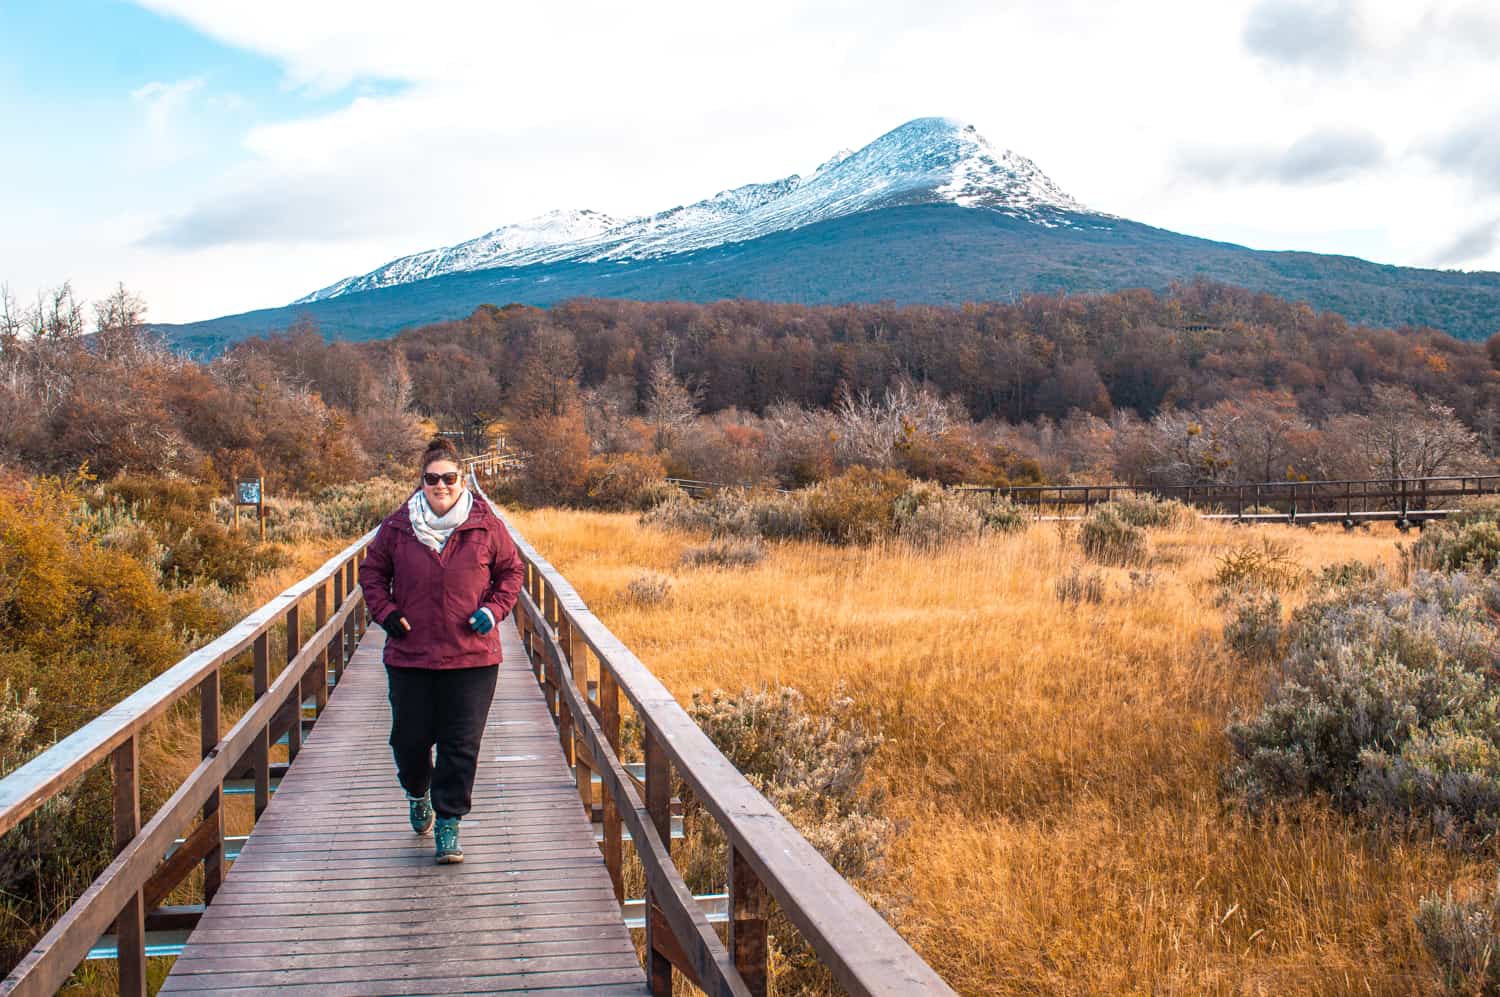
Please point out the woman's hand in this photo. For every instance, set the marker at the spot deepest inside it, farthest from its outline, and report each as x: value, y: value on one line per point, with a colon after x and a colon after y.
x: 395, y: 625
x: 481, y: 622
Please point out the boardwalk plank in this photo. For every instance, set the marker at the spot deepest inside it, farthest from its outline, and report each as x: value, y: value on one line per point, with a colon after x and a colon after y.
x: 332, y: 893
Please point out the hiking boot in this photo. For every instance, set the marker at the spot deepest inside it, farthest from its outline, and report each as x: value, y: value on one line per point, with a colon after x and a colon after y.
x: 419, y: 809
x: 446, y: 838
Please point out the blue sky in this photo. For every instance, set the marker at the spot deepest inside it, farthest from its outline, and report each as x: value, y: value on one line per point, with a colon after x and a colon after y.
x: 217, y: 157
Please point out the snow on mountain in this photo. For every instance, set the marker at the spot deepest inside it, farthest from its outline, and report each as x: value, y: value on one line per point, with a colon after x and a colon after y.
x: 925, y: 161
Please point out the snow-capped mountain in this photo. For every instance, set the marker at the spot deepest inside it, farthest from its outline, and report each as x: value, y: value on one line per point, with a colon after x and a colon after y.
x: 925, y: 161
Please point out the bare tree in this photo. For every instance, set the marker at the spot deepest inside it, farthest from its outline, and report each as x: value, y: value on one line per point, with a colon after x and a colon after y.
x: 120, y: 329
x: 12, y: 321
x: 1404, y: 437
x: 671, y: 405
x: 607, y: 410
x: 1183, y: 450
x: 871, y: 429
x: 58, y: 315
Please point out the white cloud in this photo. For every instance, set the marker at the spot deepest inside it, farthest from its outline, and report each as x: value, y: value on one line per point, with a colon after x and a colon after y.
x: 493, y: 113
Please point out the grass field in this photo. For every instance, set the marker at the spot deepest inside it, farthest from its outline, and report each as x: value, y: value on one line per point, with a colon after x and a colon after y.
x: 1054, y: 768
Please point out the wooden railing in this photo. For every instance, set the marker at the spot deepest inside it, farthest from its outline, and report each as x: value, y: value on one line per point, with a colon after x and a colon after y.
x: 1399, y: 499
x: 147, y: 867
x: 767, y: 858
x: 492, y: 463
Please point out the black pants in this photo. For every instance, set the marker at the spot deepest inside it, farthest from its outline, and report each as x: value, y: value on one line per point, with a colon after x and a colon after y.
x: 446, y: 708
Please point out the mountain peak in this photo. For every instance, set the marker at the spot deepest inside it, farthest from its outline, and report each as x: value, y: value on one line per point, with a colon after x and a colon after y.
x: 924, y: 161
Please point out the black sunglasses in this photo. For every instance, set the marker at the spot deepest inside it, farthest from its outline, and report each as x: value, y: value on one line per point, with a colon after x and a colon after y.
x: 447, y: 478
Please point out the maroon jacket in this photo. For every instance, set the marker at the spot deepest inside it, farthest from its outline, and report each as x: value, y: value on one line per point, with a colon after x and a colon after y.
x: 437, y: 593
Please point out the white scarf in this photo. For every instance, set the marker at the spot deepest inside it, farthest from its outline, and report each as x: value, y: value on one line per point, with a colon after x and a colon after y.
x: 432, y: 529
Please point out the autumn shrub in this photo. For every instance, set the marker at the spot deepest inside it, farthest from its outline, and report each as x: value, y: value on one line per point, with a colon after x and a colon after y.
x: 727, y: 552
x: 1109, y: 539
x: 858, y: 506
x: 628, y: 481
x: 556, y: 469
x: 179, y: 515
x: 83, y: 623
x: 1463, y: 938
x: 1385, y: 700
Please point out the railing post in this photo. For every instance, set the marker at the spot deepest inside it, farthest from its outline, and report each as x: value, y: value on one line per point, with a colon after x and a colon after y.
x: 320, y: 679
x: 351, y: 625
x: 209, y: 730
x: 609, y: 722
x: 749, y: 915
x: 659, y: 807
x: 261, y: 753
x: 130, y: 926
x: 583, y: 776
x: 293, y: 645
x: 337, y: 651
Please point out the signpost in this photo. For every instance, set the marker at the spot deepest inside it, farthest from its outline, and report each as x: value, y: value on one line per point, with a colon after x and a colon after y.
x: 248, y: 491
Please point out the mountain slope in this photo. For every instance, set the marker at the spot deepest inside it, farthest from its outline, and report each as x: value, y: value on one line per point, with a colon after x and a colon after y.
x: 920, y: 253
x: 925, y: 161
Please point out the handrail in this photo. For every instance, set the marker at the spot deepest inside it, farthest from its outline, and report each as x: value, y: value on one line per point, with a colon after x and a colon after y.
x: 32, y: 784
x: 864, y: 953
x: 1233, y: 485
x: 139, y: 875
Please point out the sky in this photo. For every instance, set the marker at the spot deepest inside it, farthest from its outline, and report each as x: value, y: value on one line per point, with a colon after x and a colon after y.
x: 217, y: 157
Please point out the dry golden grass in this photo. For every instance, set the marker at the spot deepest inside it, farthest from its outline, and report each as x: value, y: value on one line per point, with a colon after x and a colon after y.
x: 1055, y: 769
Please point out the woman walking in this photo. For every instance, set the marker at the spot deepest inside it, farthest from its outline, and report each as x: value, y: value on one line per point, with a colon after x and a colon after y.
x: 440, y: 573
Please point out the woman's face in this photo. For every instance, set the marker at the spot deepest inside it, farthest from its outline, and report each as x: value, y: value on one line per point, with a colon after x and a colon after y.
x: 442, y: 495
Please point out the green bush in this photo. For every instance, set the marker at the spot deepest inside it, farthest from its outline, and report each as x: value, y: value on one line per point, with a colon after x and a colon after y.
x: 1463, y: 938
x: 180, y: 518
x: 1386, y: 701
x: 1108, y: 539
x: 646, y: 589
x: 1254, y: 629
x: 1078, y: 587
x: 341, y: 512
x: 729, y: 552
x: 1263, y: 563
x: 811, y: 764
x: 928, y: 515
x: 1149, y: 512
x: 1003, y: 516
x: 1457, y: 546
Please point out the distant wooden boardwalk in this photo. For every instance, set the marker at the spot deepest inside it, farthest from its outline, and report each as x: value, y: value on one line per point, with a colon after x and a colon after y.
x: 333, y: 893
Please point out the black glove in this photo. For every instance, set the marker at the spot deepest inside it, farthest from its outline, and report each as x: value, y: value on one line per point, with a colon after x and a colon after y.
x: 395, y: 625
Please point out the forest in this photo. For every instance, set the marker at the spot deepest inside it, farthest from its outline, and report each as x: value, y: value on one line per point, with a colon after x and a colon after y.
x: 1207, y: 383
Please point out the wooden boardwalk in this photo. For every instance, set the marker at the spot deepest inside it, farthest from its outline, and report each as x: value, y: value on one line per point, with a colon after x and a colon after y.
x: 333, y: 894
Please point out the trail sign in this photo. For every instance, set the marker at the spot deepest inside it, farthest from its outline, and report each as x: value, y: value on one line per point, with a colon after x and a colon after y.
x: 249, y: 491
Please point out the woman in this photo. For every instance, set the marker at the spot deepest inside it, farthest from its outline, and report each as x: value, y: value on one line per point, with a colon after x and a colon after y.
x: 440, y: 573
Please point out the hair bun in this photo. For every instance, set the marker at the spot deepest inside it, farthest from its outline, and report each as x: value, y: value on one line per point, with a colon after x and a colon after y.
x: 440, y: 448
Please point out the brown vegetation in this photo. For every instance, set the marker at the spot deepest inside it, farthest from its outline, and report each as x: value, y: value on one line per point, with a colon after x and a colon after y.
x: 1054, y: 768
